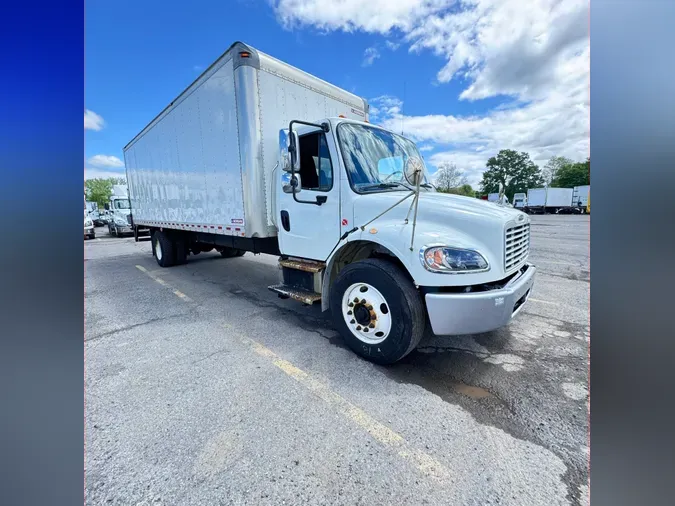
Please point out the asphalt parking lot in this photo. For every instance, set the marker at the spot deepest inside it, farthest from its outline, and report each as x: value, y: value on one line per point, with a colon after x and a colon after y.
x: 203, y: 387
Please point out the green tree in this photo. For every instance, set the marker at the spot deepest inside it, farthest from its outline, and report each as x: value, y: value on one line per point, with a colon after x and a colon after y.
x: 99, y: 190
x: 573, y: 174
x: 465, y: 190
x: 514, y: 170
x: 553, y: 166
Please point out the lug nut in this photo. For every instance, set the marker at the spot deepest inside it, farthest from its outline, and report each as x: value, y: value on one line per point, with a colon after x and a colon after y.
x: 351, y: 304
x: 358, y: 327
x: 369, y: 307
x: 356, y: 300
x: 353, y: 321
x: 372, y: 325
x: 349, y: 312
x: 366, y: 329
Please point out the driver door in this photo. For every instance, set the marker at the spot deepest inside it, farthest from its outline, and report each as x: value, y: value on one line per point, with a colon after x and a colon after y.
x: 307, y: 229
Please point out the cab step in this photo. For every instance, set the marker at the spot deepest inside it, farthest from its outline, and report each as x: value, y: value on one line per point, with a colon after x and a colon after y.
x: 302, y: 265
x: 300, y: 294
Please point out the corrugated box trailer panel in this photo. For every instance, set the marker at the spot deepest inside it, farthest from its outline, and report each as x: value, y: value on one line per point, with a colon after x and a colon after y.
x: 185, y: 168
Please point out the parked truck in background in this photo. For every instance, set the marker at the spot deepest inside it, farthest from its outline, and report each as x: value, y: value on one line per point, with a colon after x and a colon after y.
x: 119, y: 209
x: 258, y: 156
x: 92, y: 211
x: 89, y: 232
x: 549, y: 200
x: 520, y: 200
x: 580, y: 196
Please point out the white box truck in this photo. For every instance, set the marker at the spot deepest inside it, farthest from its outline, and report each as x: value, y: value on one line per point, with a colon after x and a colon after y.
x: 258, y: 156
x: 580, y: 197
x: 520, y: 200
x: 549, y: 200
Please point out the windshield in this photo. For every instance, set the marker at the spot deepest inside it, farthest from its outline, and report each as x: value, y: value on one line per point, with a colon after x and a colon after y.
x: 375, y: 159
x: 122, y: 204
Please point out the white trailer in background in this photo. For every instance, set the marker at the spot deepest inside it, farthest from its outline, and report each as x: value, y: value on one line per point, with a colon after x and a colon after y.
x: 520, y: 200
x: 580, y: 197
x: 549, y: 200
x: 259, y: 156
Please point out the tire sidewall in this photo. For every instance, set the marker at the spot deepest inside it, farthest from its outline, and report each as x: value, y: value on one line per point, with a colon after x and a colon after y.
x: 399, y: 341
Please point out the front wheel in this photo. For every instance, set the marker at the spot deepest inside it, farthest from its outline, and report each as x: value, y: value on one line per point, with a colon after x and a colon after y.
x: 378, y: 310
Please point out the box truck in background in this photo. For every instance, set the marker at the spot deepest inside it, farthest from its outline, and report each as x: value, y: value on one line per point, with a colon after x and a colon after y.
x: 580, y: 196
x: 519, y: 200
x: 258, y: 156
x: 549, y: 200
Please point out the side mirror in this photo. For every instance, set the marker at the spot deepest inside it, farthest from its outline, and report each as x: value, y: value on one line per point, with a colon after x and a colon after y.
x: 106, y: 207
x: 289, y: 143
x: 288, y: 182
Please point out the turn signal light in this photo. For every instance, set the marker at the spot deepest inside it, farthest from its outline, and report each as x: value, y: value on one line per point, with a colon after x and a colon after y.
x: 245, y: 54
x: 342, y: 116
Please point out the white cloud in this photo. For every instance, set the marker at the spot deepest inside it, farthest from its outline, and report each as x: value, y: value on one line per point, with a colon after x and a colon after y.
x: 369, y: 56
x: 535, y: 55
x: 108, y: 161
x: 92, y: 173
x: 378, y: 16
x: 93, y: 121
x: 426, y: 147
x: 392, y: 45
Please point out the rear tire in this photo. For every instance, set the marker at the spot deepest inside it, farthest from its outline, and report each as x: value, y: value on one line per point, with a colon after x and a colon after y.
x: 232, y: 252
x: 165, y: 252
x: 395, y: 326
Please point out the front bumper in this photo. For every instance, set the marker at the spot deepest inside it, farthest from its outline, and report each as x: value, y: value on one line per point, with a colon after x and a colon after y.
x: 473, y: 313
x: 124, y: 230
x: 89, y: 231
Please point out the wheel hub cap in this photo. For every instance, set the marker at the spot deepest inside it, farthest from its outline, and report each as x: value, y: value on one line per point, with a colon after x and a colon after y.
x: 366, y: 313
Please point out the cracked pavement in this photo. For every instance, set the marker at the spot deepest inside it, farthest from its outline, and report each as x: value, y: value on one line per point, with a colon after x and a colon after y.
x: 181, y: 408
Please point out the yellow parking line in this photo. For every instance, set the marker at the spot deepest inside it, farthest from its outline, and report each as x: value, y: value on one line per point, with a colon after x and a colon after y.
x: 182, y: 295
x: 378, y: 431
x: 163, y: 283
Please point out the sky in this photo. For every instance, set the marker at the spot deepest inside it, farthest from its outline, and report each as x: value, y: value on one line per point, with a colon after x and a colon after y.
x: 463, y: 79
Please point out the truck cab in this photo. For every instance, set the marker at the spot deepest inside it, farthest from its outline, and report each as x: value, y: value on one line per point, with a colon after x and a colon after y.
x: 520, y: 200
x: 119, y: 208
x: 388, y: 247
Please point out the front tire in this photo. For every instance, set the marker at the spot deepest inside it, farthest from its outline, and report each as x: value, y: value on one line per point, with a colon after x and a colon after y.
x: 377, y: 310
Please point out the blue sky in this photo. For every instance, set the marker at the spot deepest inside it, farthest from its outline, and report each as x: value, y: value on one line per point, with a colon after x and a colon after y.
x: 464, y: 79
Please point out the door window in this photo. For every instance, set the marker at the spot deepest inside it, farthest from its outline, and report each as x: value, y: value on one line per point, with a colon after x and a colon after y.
x: 316, y: 169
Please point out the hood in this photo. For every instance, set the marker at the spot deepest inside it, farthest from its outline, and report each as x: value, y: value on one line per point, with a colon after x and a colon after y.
x: 442, y: 218
x: 437, y: 206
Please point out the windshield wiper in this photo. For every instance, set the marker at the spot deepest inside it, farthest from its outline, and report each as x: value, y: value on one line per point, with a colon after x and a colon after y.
x: 381, y: 185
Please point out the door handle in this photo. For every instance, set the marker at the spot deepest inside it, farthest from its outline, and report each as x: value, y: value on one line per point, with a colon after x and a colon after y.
x: 285, y: 221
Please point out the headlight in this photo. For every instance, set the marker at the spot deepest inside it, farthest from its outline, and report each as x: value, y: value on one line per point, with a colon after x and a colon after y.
x: 452, y: 260
x: 88, y: 223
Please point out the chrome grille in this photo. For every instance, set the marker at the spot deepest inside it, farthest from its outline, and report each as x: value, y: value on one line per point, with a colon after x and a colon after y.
x: 516, y: 246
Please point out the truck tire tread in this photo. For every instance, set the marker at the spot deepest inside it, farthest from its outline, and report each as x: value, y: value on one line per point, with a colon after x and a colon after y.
x: 400, y: 293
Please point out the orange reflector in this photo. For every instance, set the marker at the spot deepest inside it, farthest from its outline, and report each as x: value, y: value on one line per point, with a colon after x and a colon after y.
x: 342, y: 116
x: 245, y: 54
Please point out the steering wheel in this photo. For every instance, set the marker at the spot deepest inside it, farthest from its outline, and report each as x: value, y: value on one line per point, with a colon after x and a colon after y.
x: 392, y: 175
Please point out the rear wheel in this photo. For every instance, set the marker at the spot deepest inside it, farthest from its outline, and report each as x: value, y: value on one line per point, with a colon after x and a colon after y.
x: 378, y: 310
x: 165, y: 252
x: 231, y: 252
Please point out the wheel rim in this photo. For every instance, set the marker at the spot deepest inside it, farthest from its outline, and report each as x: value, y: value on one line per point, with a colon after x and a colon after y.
x: 158, y: 249
x: 366, y: 313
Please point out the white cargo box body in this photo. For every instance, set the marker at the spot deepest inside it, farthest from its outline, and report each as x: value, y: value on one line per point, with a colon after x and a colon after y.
x: 536, y: 197
x: 205, y: 163
x: 493, y: 197
x: 559, y: 197
x: 580, y: 195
